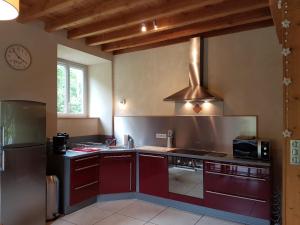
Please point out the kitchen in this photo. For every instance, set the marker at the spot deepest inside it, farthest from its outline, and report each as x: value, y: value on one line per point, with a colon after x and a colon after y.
x: 242, y: 67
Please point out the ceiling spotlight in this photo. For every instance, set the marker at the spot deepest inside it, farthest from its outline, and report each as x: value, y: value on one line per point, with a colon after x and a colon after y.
x: 155, y: 25
x: 143, y: 27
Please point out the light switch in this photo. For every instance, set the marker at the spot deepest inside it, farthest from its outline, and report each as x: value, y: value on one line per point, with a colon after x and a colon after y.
x: 295, y: 152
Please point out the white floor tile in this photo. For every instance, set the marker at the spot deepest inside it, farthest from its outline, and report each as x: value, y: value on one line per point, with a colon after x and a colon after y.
x: 142, y: 210
x: 87, y: 216
x: 175, y: 217
x: 117, y: 219
x: 206, y: 220
x: 114, y: 206
x: 59, y: 222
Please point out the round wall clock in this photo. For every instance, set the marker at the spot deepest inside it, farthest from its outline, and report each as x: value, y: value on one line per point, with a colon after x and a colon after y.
x: 18, y: 57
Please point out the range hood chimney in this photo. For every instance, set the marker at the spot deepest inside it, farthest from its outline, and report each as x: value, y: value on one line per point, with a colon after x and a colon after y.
x: 195, y: 91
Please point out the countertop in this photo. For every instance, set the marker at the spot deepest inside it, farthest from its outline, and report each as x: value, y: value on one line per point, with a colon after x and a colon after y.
x: 167, y: 151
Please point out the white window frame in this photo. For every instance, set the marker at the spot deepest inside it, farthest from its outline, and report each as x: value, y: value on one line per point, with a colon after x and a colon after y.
x: 67, y: 65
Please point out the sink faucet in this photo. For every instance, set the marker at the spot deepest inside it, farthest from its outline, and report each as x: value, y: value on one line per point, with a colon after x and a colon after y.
x: 109, y: 142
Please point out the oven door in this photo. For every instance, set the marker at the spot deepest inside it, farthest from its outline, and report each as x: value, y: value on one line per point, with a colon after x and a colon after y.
x: 186, y: 181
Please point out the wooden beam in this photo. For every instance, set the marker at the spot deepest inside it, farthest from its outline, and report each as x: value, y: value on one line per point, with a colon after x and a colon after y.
x: 221, y: 23
x: 214, y: 33
x: 203, y: 14
x: 276, y: 15
x: 170, y: 7
x: 43, y: 8
x: 100, y: 10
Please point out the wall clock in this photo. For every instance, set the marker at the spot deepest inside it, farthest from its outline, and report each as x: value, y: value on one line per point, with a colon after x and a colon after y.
x: 18, y: 57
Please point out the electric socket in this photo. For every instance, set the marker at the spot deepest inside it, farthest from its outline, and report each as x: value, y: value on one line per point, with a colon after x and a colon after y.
x: 161, y: 136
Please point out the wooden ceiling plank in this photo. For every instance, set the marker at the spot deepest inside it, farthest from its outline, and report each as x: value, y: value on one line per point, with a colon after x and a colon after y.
x: 225, y: 22
x: 43, y: 8
x: 239, y: 28
x: 170, y: 7
x: 102, y: 9
x: 183, y: 19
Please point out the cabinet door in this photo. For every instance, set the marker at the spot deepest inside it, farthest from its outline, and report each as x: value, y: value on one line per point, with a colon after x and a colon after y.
x: 153, y: 175
x: 117, y: 173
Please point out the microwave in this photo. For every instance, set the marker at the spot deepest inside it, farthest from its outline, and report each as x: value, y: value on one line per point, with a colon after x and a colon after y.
x: 251, y: 148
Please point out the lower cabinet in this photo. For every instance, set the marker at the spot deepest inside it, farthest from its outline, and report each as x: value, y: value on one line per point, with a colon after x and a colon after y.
x: 117, y: 173
x: 240, y: 189
x: 153, y: 174
x: 84, y: 182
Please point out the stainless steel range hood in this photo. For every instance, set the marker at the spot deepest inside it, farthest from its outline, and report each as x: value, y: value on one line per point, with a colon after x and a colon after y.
x: 195, y: 91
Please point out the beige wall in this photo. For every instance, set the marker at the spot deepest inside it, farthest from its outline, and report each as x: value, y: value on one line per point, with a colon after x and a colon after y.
x: 244, y: 68
x: 79, y: 126
x: 39, y: 81
x: 100, y: 95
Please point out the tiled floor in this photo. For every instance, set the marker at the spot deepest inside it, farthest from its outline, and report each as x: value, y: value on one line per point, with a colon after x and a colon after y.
x: 135, y: 212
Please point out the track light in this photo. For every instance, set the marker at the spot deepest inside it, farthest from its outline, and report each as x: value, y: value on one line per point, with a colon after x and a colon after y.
x: 143, y: 27
x: 155, y: 25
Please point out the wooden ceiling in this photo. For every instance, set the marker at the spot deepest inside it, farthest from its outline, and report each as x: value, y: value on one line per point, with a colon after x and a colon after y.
x: 115, y: 25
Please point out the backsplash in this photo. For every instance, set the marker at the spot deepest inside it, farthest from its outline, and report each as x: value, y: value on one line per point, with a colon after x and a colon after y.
x: 202, y: 132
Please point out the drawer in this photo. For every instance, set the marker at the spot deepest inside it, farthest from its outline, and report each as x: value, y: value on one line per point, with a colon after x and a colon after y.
x: 235, y: 169
x: 235, y: 204
x: 251, y: 187
x: 118, y: 156
x: 84, y: 161
x: 84, y: 192
x: 84, y: 175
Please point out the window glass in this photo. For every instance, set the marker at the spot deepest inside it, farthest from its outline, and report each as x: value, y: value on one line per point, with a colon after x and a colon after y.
x: 61, y: 89
x: 70, y: 89
x: 76, y: 90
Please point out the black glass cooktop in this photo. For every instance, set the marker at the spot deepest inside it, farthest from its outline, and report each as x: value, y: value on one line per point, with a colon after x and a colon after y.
x: 198, y: 152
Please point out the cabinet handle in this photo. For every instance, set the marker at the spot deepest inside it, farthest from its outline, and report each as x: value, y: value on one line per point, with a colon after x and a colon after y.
x: 224, y: 164
x: 2, y: 136
x: 235, y: 196
x: 152, y: 156
x: 85, y: 186
x: 117, y: 156
x: 130, y: 178
x: 236, y: 176
x: 87, y: 167
x: 86, y: 158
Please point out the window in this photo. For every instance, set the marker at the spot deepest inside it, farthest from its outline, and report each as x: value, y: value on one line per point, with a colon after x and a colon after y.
x: 71, y: 89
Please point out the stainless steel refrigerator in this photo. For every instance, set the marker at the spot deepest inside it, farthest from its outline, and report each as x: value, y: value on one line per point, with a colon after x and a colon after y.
x: 22, y: 162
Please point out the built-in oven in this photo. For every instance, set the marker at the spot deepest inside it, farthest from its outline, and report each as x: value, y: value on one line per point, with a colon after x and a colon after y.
x: 186, y: 176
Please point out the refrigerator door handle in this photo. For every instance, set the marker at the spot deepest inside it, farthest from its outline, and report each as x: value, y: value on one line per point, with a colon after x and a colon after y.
x: 1, y: 148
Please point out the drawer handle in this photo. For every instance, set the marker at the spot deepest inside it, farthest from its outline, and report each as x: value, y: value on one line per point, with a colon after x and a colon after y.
x: 86, y: 185
x: 87, y: 158
x: 235, y: 196
x: 117, y: 156
x: 152, y: 156
x: 87, y: 167
x: 224, y: 164
x: 236, y: 176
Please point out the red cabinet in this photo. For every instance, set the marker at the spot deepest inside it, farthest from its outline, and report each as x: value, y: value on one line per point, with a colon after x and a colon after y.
x: 84, y: 182
x: 117, y: 173
x: 153, y: 174
x: 237, y: 188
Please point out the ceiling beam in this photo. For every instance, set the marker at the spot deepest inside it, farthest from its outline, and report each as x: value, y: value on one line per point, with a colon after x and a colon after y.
x: 197, y: 28
x: 183, y: 19
x: 239, y: 28
x: 100, y: 10
x: 43, y: 8
x: 170, y: 7
x: 276, y: 15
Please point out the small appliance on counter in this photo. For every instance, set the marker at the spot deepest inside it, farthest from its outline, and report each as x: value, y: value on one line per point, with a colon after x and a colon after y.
x: 251, y: 148
x: 60, y: 143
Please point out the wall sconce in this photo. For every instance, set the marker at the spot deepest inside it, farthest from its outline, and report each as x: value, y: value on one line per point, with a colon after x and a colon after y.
x: 123, y: 101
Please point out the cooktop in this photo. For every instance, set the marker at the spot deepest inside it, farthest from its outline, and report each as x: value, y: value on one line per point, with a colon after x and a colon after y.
x: 198, y: 152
